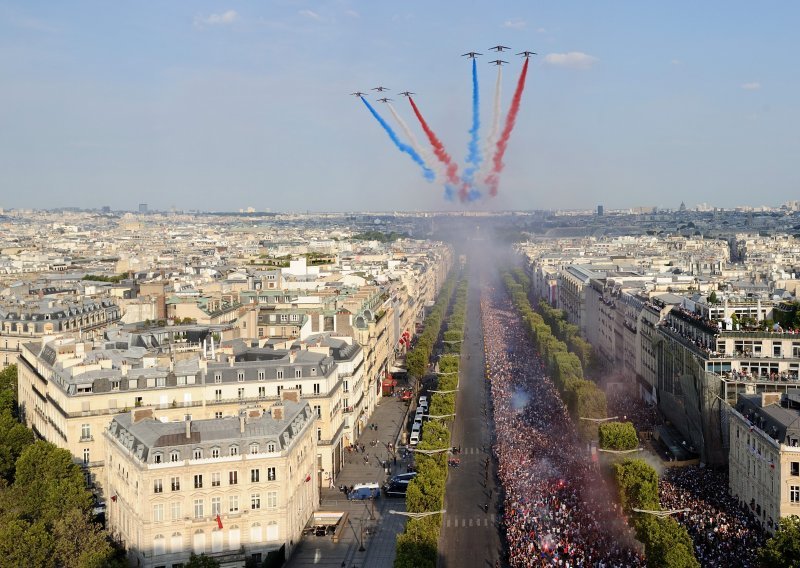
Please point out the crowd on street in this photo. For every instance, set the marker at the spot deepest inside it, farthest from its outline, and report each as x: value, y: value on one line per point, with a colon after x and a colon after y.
x: 557, y: 510
x: 724, y: 534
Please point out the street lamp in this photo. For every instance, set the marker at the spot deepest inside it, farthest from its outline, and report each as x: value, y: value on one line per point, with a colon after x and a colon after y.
x: 661, y: 514
x: 599, y: 420
x: 445, y: 392
x: 438, y: 416
x: 430, y: 452
x: 361, y: 540
x: 640, y: 449
x: 450, y: 373
x: 417, y: 515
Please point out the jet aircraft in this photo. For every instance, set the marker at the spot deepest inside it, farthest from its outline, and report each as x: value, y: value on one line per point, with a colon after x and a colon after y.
x: 498, y: 62
x: 527, y: 54
x: 471, y: 54
x: 380, y: 89
x: 499, y: 48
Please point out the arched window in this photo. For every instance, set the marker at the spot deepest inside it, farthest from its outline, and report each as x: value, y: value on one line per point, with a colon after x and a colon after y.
x: 255, y: 532
x: 216, y: 540
x: 157, y: 457
x: 159, y: 545
x: 176, y: 543
x: 234, y: 538
x: 272, y: 530
x: 199, y: 542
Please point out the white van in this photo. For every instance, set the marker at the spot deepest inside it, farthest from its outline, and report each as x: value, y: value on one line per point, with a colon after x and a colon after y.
x: 413, y: 440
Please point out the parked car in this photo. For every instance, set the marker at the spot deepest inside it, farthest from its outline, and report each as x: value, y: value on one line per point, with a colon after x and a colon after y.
x: 364, y: 491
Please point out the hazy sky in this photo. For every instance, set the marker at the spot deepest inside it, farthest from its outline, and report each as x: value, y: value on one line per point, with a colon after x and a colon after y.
x: 225, y: 105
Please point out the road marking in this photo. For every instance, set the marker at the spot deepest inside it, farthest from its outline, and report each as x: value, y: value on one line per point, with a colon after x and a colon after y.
x: 470, y: 522
x: 448, y: 522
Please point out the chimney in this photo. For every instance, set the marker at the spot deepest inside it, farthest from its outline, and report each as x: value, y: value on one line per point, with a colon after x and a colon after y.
x: 292, y: 355
x: 188, y: 429
x: 139, y: 414
x: 290, y: 394
x: 277, y: 412
x: 241, y: 423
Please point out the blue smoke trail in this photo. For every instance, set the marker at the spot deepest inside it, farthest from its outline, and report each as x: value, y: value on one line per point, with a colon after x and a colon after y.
x: 427, y: 172
x: 474, y: 156
x: 449, y: 192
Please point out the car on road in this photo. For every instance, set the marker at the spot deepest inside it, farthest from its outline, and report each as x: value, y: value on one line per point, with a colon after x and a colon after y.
x: 396, y: 488
x: 363, y: 491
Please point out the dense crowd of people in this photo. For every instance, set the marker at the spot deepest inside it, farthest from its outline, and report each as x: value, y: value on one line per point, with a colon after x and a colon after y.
x: 557, y: 510
x: 724, y: 534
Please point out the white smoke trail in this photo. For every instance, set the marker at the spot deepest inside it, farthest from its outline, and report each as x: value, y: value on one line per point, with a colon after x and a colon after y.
x: 491, y: 140
x: 424, y: 153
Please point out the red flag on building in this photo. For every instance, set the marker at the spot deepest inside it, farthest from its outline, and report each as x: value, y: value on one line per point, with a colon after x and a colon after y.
x: 219, y: 522
x: 308, y: 478
x: 113, y: 498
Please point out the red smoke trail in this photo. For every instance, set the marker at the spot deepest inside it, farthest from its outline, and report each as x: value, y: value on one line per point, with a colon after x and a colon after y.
x: 438, y: 147
x: 493, y: 179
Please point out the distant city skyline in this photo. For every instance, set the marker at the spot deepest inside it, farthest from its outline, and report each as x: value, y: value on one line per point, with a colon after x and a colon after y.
x: 221, y: 107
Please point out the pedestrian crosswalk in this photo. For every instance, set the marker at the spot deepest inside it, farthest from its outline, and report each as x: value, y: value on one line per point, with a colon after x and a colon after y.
x: 472, y: 450
x: 456, y: 522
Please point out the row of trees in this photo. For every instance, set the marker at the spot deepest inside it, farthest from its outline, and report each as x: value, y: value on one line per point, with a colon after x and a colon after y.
x: 418, y: 358
x: 666, y: 543
x: 584, y: 399
x: 416, y: 547
x: 45, y: 508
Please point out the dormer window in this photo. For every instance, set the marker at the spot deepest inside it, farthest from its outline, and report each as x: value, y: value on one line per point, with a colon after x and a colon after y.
x: 234, y: 450
x: 313, y: 371
x: 214, y: 452
x: 271, y: 447
x: 157, y: 458
x: 217, y: 377
x: 197, y: 453
x: 174, y: 456
x: 240, y: 376
x: 253, y: 448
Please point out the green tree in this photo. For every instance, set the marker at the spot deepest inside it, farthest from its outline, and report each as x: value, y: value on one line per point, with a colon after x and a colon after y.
x: 638, y: 484
x: 783, y: 549
x: 25, y: 545
x: 14, y: 438
x: 201, y: 561
x: 618, y: 436
x: 80, y: 542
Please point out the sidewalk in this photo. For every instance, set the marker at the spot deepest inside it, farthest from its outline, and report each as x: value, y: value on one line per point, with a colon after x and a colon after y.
x: 368, y: 518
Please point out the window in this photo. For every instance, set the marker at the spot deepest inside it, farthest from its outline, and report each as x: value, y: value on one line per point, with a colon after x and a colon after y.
x: 240, y: 376
x: 233, y: 477
x: 161, y: 381
x: 198, y: 481
x: 175, y: 510
x: 262, y: 392
x: 299, y: 388
x: 86, y: 432
x: 255, y: 501
x: 794, y: 493
x: 272, y: 499
x: 198, y: 508
x: 217, y: 377
x: 217, y: 415
x: 215, y: 479
x: 176, y: 544
x: 174, y: 456
x: 272, y: 530
x: 280, y: 389
x: 157, y: 458
x: 279, y: 374
x: 298, y: 373
x: 254, y: 473
x: 158, y: 512
x: 271, y: 474
x: 241, y: 393
x: 197, y: 454
x: 795, y: 469
x: 175, y: 482
x: 346, y: 386
x: 216, y: 508
x: 157, y: 487
x: 159, y: 545
x: 316, y: 388
x: 218, y: 395
x: 319, y: 434
x: 85, y: 455
x: 233, y: 504
x: 262, y: 375
x: 234, y: 450
x: 318, y: 411
x: 253, y: 448
x: 271, y: 447
x: 214, y: 452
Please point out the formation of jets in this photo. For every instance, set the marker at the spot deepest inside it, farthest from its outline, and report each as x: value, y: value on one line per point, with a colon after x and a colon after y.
x: 469, y: 54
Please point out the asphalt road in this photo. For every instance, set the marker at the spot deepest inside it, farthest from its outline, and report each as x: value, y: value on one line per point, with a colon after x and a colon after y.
x: 470, y: 535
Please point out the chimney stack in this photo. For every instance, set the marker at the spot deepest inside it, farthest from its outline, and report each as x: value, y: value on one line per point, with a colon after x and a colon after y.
x: 241, y: 423
x: 277, y: 412
x: 188, y: 429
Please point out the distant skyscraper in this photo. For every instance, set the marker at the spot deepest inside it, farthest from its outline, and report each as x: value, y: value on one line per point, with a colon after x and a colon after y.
x: 143, y: 208
x: 106, y: 209
x: 599, y: 210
